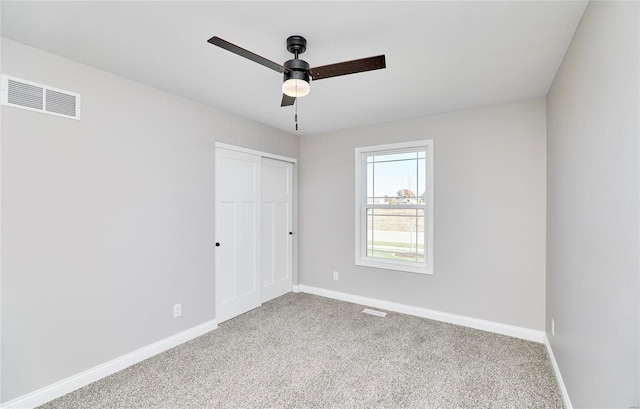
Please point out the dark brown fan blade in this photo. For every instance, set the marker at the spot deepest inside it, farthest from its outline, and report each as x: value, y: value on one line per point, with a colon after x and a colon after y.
x: 287, y: 100
x: 245, y: 53
x: 348, y: 67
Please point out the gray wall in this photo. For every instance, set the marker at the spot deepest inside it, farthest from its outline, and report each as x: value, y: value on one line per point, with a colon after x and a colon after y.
x: 593, y: 187
x: 489, y: 235
x: 106, y: 222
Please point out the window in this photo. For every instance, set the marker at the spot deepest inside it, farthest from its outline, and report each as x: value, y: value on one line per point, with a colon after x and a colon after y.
x: 394, y: 206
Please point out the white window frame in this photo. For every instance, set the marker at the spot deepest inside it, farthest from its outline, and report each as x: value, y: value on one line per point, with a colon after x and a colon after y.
x: 361, y: 257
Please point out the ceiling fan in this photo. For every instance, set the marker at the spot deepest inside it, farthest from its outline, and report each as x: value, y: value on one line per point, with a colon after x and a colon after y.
x: 296, y: 72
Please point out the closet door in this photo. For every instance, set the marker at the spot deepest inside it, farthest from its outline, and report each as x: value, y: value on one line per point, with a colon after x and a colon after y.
x: 238, y: 236
x: 277, y: 233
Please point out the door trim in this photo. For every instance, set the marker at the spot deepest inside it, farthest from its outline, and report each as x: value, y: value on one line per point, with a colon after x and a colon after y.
x: 255, y: 152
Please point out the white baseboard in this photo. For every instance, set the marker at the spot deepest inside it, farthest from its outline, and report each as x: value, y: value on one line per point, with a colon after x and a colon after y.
x: 496, y: 327
x: 295, y: 288
x: 556, y: 371
x: 61, y: 388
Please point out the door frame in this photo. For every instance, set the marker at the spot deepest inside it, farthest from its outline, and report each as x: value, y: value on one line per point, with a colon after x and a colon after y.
x: 294, y: 161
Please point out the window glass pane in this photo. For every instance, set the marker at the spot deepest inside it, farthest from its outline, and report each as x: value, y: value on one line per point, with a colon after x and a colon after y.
x: 370, y: 179
x: 422, y: 185
x: 396, y: 234
x: 397, y: 181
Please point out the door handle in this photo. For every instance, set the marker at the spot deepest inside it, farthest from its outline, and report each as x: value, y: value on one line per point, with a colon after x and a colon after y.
x: 290, y: 233
x: 217, y: 244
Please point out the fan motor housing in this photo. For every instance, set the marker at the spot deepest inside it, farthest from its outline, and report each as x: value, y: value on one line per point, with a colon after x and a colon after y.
x: 297, y: 69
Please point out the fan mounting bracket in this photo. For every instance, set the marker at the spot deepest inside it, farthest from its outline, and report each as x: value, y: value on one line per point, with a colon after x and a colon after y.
x: 296, y: 44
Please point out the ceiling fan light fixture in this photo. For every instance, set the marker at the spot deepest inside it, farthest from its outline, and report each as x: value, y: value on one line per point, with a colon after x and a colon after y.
x: 296, y: 88
x: 296, y: 78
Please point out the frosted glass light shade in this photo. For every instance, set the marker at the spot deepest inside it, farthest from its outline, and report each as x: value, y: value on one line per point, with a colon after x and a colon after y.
x: 296, y: 88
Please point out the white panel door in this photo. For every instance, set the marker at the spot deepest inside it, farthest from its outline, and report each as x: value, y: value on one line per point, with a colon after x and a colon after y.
x: 277, y: 221
x: 238, y: 223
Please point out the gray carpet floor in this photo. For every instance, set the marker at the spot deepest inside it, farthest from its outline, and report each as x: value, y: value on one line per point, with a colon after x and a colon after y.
x: 304, y: 351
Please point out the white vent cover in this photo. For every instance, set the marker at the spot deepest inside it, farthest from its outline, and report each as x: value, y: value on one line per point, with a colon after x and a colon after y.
x: 374, y: 312
x: 41, y: 98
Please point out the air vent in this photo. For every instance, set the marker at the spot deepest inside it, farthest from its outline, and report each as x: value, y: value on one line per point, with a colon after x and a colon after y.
x: 40, y: 98
x: 374, y: 312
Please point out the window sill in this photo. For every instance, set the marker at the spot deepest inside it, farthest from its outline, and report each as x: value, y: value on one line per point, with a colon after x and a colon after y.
x: 394, y: 266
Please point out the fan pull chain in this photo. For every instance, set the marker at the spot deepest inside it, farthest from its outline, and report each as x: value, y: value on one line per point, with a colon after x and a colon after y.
x: 296, y: 102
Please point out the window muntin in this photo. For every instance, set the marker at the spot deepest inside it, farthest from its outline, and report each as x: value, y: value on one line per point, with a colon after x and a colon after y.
x: 393, y: 207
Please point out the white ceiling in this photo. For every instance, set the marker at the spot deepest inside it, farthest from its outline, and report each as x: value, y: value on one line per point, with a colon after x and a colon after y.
x: 441, y: 56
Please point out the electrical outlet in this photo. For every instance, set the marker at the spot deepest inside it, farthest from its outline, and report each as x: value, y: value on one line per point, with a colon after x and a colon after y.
x: 177, y: 310
x: 553, y: 327
x: 335, y: 275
